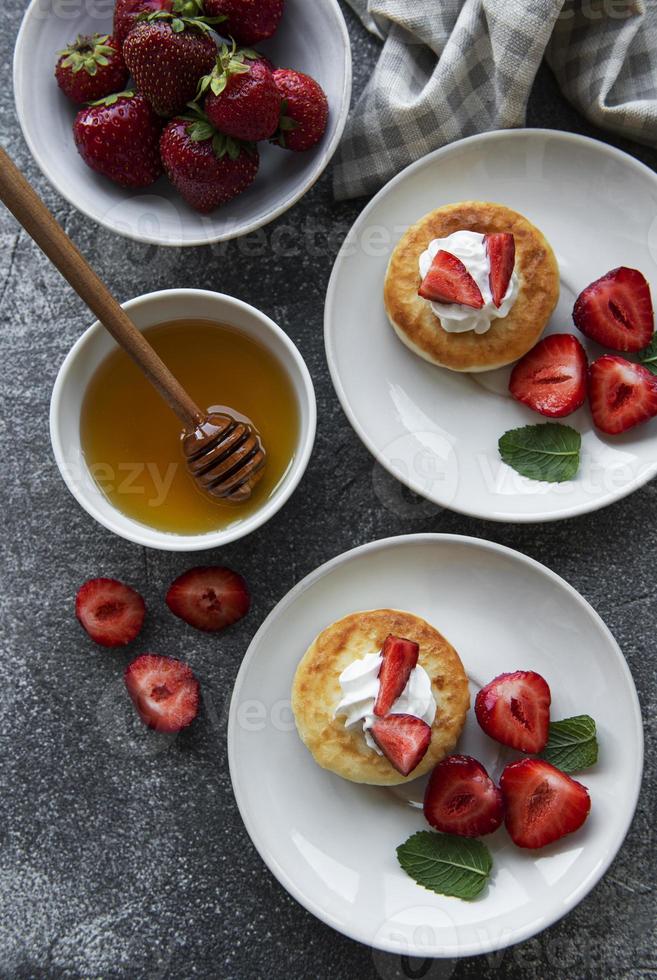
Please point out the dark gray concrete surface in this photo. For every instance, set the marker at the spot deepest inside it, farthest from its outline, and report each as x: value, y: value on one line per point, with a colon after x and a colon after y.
x: 123, y: 856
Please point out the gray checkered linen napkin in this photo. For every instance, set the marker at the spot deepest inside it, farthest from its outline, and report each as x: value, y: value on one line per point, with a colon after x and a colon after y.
x: 452, y: 68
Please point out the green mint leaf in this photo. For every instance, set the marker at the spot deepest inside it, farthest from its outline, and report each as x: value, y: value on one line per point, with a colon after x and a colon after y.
x: 547, y: 451
x: 572, y: 744
x: 648, y: 356
x: 446, y: 864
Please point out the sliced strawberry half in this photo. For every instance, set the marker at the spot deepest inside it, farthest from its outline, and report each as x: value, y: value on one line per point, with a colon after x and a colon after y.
x: 542, y: 803
x: 164, y: 691
x: 403, y: 739
x: 514, y: 709
x: 501, y: 250
x: 399, y: 659
x: 209, y: 598
x: 461, y: 798
x: 553, y: 377
x: 616, y: 310
x: 622, y: 394
x: 112, y: 613
x: 448, y: 281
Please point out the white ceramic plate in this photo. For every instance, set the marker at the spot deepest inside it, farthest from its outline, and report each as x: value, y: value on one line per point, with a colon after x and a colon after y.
x: 332, y: 843
x: 312, y: 38
x: 437, y: 431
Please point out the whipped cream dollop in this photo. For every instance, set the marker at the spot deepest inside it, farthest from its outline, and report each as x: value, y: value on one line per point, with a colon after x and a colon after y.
x: 469, y: 247
x: 360, y: 688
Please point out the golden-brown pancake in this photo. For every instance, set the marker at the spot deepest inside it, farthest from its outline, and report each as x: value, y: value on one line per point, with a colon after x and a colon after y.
x: 316, y: 692
x: 509, y: 337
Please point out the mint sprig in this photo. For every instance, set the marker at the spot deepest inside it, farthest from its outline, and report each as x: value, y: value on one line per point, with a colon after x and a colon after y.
x: 648, y: 356
x: 446, y: 864
x: 547, y: 451
x: 572, y: 744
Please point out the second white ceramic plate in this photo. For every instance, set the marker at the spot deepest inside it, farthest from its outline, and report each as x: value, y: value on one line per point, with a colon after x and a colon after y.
x: 332, y: 843
x: 437, y: 431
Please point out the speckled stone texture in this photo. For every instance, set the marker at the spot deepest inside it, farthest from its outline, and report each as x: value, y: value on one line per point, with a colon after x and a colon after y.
x: 124, y: 855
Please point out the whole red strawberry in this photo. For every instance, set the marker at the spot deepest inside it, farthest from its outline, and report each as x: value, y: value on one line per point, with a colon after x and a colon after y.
x: 241, y: 99
x: 91, y: 68
x: 126, y: 14
x: 248, y: 21
x: 119, y: 137
x: 206, y: 167
x: 304, y: 109
x: 167, y: 55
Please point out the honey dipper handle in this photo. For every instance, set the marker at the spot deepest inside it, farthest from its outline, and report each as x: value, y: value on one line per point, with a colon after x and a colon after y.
x: 30, y: 211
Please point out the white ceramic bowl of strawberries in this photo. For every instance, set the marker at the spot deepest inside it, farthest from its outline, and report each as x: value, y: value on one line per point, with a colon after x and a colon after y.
x: 312, y: 39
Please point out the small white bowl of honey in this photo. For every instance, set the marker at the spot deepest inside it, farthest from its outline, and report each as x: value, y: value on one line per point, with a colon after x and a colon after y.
x: 118, y: 445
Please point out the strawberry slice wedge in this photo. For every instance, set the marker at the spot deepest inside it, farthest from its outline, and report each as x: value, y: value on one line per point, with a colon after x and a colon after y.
x: 553, y: 377
x: 542, y: 803
x: 448, y: 281
x: 514, y: 709
x: 622, y: 394
x: 501, y: 250
x: 112, y: 613
x: 164, y: 691
x: 616, y: 310
x: 399, y: 659
x: 403, y: 739
x: 461, y: 798
x: 209, y: 598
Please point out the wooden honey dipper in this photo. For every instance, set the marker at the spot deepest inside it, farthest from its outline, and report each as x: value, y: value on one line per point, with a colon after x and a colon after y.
x: 224, y: 455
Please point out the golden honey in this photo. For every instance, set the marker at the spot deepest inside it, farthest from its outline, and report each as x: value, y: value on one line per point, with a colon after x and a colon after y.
x: 132, y: 440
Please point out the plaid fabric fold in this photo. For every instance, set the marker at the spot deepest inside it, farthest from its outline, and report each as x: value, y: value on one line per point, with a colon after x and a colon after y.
x: 453, y: 68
